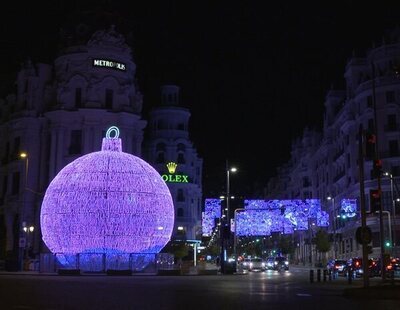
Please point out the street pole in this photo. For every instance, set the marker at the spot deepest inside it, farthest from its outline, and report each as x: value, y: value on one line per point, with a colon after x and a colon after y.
x: 235, y: 233
x: 362, y: 206
x: 376, y: 157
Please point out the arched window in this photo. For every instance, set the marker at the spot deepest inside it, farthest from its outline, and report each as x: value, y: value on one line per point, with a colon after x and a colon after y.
x: 181, y: 158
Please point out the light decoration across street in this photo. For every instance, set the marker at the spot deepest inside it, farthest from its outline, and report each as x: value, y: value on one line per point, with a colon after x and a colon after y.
x: 212, y: 211
x: 106, y: 204
x: 263, y: 217
x: 348, y: 208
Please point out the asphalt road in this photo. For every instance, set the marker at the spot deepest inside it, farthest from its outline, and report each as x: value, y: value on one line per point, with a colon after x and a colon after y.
x: 269, y: 290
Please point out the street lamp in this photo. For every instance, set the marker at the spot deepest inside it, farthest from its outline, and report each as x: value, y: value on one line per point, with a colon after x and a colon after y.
x: 22, y: 241
x: 28, y: 231
x: 228, y: 170
x: 334, y: 219
x: 235, y: 233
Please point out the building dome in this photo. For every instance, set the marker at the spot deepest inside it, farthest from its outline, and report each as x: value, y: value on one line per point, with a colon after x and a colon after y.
x: 107, y: 202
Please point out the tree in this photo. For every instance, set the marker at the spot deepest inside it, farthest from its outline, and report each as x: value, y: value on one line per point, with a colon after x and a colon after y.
x: 322, y: 243
x: 286, y: 245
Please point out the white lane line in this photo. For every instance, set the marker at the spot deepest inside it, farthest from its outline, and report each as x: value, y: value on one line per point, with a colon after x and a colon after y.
x: 304, y: 295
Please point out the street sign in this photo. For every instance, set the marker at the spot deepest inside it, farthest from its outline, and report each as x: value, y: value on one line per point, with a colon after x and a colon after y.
x: 363, y: 234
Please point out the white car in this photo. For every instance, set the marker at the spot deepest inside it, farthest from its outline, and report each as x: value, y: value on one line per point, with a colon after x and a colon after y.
x: 257, y: 264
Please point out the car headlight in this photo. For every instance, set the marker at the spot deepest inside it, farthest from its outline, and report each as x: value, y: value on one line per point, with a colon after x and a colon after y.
x: 275, y: 263
x: 263, y: 264
x: 286, y: 263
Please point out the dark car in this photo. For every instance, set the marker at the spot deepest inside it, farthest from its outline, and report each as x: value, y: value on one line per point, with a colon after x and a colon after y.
x: 281, y: 263
x: 336, y: 266
x: 354, y: 265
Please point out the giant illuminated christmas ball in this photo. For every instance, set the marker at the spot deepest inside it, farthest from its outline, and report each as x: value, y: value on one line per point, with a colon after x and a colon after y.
x: 107, y: 202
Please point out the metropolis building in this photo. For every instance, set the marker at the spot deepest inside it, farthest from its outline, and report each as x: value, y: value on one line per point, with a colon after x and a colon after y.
x: 325, y: 165
x: 60, y: 112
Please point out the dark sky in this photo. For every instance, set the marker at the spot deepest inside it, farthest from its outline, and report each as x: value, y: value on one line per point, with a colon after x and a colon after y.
x: 253, y: 75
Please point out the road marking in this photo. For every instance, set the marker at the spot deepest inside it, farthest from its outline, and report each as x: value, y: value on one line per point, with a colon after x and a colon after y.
x: 304, y: 295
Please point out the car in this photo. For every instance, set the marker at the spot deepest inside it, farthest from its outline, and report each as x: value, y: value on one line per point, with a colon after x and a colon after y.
x: 336, y: 266
x: 257, y: 264
x: 270, y: 263
x: 280, y: 263
x: 246, y: 263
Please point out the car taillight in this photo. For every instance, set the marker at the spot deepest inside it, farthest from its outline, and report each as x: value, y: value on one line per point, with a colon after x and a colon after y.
x: 389, y: 267
x: 357, y: 264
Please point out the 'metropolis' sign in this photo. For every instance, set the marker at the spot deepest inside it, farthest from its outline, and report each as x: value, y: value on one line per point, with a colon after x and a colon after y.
x: 109, y: 64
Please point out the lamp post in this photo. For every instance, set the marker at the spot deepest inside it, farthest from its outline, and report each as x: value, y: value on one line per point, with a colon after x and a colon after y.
x: 334, y: 219
x: 28, y: 231
x: 22, y: 239
x: 235, y: 233
x: 228, y: 170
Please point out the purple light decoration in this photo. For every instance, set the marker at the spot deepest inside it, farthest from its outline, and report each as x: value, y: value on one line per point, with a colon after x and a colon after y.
x: 348, y: 207
x: 323, y: 219
x: 263, y: 217
x: 109, y: 203
x: 212, y: 212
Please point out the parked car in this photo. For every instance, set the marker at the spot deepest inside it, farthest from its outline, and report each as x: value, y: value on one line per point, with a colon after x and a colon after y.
x: 336, y: 265
x: 257, y: 264
x: 281, y: 263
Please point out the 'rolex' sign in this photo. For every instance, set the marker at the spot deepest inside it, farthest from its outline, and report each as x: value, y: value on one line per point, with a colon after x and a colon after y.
x: 171, y: 177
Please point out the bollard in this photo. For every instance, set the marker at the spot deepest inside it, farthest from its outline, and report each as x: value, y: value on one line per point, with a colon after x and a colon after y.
x: 350, y: 275
x: 330, y: 275
x: 319, y: 275
x: 325, y: 274
x: 311, y: 276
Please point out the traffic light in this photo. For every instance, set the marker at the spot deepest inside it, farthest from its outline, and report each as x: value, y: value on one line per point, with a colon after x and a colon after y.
x: 376, y: 168
x: 387, y: 244
x: 370, y: 144
x: 375, y: 200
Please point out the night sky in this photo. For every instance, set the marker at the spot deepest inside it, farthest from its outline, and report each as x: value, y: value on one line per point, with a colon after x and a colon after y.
x: 253, y: 75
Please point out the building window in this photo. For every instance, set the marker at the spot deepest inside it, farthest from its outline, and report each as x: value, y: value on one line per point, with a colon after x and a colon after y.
x: 181, y: 158
x: 78, y: 97
x: 181, y: 126
x: 369, y: 102
x: 17, y: 145
x: 15, y: 183
x: 75, y: 146
x: 109, y: 98
x: 180, y: 212
x: 393, y: 148
x: 371, y: 124
x: 181, y: 196
x: 160, y: 158
x: 391, y: 125
x: 390, y: 96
